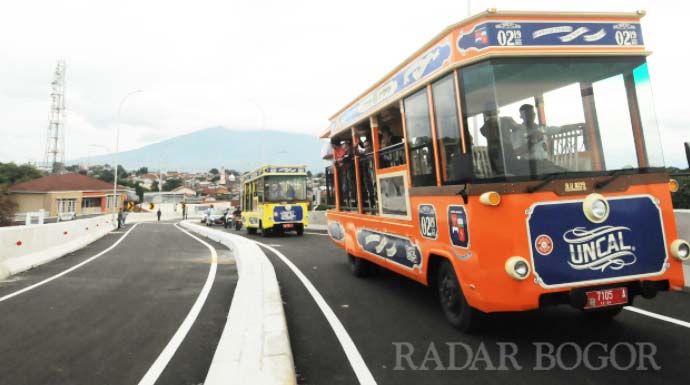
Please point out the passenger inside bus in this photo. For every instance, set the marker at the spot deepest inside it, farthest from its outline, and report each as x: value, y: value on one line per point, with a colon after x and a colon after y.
x: 528, y: 139
x: 367, y: 173
x: 391, y: 148
x: 493, y: 130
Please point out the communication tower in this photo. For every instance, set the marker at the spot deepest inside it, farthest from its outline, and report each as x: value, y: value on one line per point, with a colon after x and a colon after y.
x: 54, y: 157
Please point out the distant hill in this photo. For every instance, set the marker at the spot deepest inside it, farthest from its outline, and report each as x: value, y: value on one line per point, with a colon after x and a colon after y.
x: 218, y: 146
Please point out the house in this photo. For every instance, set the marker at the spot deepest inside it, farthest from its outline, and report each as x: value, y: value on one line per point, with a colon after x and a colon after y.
x: 67, y: 194
x: 188, y: 192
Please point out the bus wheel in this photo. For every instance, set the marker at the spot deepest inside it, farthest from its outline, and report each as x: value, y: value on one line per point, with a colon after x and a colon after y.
x: 264, y: 232
x: 455, y: 307
x: 251, y: 230
x: 300, y: 229
x: 359, y: 267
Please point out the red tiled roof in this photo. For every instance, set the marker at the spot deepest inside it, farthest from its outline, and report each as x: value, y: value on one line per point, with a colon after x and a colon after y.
x: 64, y: 182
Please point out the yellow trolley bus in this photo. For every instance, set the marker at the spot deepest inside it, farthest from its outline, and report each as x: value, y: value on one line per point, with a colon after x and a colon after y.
x: 274, y: 200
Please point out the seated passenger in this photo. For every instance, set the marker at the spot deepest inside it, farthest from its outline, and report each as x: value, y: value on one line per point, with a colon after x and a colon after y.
x: 495, y: 132
x: 387, y: 137
x: 528, y: 138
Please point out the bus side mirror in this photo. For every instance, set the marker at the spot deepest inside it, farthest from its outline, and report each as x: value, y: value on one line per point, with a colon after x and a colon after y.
x: 687, y: 152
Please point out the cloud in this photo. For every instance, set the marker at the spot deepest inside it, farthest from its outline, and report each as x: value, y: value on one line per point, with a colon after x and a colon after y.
x: 240, y: 64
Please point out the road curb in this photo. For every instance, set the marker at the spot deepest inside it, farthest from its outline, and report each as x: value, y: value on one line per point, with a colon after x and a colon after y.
x: 255, y: 345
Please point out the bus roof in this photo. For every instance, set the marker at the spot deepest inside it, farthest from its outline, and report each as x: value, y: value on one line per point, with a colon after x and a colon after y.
x: 274, y: 170
x: 476, y: 38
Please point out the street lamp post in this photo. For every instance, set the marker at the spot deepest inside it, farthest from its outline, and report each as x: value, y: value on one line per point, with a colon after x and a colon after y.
x: 117, y: 142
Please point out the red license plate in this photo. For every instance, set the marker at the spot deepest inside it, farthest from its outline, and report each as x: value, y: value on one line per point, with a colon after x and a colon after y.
x: 288, y: 226
x: 607, y: 297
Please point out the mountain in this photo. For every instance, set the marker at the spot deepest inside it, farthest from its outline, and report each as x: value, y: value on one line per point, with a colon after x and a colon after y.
x: 218, y: 146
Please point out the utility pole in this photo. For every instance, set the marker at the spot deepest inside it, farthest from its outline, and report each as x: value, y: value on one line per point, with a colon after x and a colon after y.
x: 54, y: 157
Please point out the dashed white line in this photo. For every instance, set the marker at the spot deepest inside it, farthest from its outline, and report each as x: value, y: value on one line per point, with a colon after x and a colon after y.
x: 356, y: 361
x: 75, y: 267
x: 324, y: 234
x: 166, y: 355
x: 658, y: 316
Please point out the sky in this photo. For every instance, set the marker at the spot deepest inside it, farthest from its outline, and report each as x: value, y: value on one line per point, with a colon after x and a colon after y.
x: 280, y: 65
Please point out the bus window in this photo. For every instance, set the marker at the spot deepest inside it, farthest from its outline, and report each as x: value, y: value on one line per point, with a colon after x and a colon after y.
x: 391, y: 146
x: 614, y: 127
x: 343, y: 152
x: 367, y: 173
x: 289, y: 188
x: 455, y: 166
x: 330, y: 188
x: 594, y: 115
x: 419, y: 143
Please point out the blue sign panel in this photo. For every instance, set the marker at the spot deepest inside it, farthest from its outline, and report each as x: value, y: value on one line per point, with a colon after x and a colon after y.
x: 410, y: 75
x: 567, y: 248
x: 392, y: 247
x: 548, y: 34
x: 287, y: 213
x: 457, y: 224
x: 427, y: 221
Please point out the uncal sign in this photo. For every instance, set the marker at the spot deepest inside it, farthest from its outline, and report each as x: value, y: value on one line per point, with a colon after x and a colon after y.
x: 569, y: 249
x: 287, y: 213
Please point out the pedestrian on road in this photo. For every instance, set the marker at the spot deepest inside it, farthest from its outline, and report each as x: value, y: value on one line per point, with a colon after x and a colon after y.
x: 120, y: 219
x: 184, y: 212
x: 158, y: 214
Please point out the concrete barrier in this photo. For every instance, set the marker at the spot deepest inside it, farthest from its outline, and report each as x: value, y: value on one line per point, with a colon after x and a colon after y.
x: 255, y: 346
x: 24, y: 247
x: 683, y: 224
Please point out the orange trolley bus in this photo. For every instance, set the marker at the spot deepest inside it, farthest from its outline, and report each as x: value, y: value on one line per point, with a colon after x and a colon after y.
x: 511, y: 163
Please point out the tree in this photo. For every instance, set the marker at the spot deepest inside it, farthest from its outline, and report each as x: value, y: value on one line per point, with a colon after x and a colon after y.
x: 106, y: 175
x: 214, y: 171
x: 308, y: 174
x: 10, y: 173
x: 154, y: 185
x: 121, y: 172
x: 215, y: 178
x: 142, y: 171
x: 73, y: 168
x: 171, y: 184
x: 139, y: 191
x: 8, y: 207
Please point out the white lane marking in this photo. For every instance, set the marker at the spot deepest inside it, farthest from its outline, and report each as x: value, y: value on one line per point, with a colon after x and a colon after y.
x: 75, y: 267
x: 658, y: 316
x: 356, y: 361
x: 166, y: 355
x: 324, y: 234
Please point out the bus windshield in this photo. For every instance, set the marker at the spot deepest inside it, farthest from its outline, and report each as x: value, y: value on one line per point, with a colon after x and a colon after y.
x: 532, y: 117
x: 285, y: 188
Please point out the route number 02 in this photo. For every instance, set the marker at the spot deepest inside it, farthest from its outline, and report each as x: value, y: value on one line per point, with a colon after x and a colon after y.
x: 625, y: 37
x: 507, y: 37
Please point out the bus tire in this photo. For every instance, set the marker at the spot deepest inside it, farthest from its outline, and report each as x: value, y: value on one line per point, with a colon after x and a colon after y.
x: 300, y: 229
x: 455, y: 307
x: 359, y: 267
x: 251, y: 230
x: 264, y: 232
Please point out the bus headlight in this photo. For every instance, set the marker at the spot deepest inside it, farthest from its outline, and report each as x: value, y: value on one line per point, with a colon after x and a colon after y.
x: 518, y: 268
x: 673, y: 185
x: 680, y: 249
x: 596, y: 208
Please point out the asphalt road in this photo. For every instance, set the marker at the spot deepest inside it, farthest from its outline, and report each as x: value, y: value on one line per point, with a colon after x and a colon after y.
x: 398, y: 328
x: 109, y: 320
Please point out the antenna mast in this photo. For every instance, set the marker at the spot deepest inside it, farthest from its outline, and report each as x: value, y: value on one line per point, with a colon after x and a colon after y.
x: 54, y: 158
